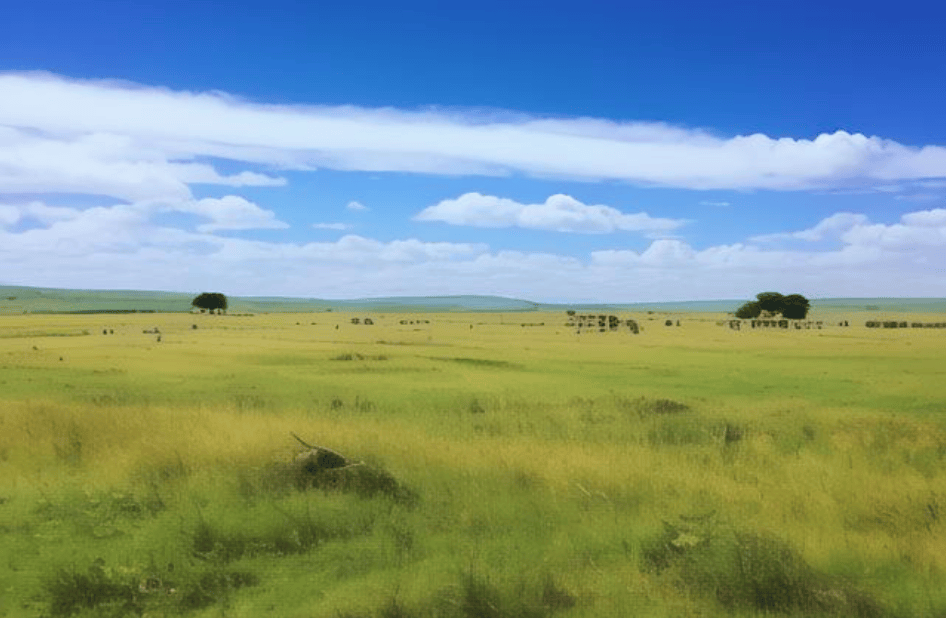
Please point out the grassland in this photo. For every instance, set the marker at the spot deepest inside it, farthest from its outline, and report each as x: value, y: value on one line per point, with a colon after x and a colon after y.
x: 685, y: 471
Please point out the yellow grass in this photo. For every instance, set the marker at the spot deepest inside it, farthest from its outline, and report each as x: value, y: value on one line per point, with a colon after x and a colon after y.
x: 841, y: 450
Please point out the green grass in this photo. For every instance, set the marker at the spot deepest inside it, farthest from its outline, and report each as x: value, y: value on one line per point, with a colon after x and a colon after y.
x: 504, y: 471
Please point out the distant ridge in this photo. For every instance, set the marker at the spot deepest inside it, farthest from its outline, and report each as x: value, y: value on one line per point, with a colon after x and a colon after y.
x: 22, y: 299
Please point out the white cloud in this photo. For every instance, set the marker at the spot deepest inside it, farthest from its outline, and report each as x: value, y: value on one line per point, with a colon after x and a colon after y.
x: 559, y: 213
x: 920, y: 197
x: 330, y: 226
x: 720, y: 203
x: 35, y: 211
x: 926, y: 218
x: 140, y: 143
x: 8, y: 215
x: 205, y: 174
x: 353, y: 205
x: 914, y: 232
x: 230, y: 212
x: 125, y: 245
x: 832, y: 227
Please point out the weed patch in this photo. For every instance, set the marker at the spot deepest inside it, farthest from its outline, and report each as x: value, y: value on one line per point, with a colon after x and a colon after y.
x: 747, y: 570
x: 352, y: 356
x: 109, y: 591
x: 70, y: 591
x: 364, y: 480
x: 478, y: 362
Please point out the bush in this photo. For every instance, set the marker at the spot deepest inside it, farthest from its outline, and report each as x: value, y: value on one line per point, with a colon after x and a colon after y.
x: 748, y: 570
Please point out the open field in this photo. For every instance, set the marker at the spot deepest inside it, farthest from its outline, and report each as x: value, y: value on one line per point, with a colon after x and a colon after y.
x: 519, y: 469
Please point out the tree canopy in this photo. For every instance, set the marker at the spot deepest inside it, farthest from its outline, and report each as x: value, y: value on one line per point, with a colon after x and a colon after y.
x: 210, y: 301
x: 773, y: 302
x: 749, y: 311
x: 791, y: 307
x: 796, y: 307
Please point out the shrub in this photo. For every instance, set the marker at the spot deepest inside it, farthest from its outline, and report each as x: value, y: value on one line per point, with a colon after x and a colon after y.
x: 748, y: 570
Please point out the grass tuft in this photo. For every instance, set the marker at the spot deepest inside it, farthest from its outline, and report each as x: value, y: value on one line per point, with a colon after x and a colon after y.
x: 748, y: 570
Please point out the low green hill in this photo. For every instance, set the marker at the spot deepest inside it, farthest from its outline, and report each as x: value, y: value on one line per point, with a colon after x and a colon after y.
x: 19, y: 299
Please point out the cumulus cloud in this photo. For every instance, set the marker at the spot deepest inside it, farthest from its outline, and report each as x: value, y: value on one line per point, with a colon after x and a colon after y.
x: 559, y: 213
x: 353, y: 205
x: 914, y: 232
x: 230, y: 212
x: 34, y: 212
x: 131, y: 246
x: 925, y: 218
x: 831, y: 227
x: 140, y: 142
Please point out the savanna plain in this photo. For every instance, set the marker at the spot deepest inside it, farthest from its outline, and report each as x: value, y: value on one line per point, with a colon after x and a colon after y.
x: 509, y: 467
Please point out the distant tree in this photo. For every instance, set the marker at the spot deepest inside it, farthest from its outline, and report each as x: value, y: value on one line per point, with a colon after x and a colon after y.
x: 210, y: 301
x: 749, y: 311
x: 796, y: 307
x: 772, y: 302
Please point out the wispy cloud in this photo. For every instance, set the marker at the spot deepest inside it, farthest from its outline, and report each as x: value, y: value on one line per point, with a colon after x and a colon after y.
x: 920, y: 197
x: 720, y: 204
x: 353, y: 205
x: 139, y: 142
x: 331, y: 226
x: 559, y: 213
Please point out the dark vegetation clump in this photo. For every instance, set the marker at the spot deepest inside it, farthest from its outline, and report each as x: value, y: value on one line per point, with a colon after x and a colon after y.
x: 650, y: 407
x: 361, y: 479
x: 731, y: 433
x: 747, y: 570
x: 350, y: 356
x: 478, y: 596
x: 323, y: 469
x: 71, y: 591
x: 103, y: 591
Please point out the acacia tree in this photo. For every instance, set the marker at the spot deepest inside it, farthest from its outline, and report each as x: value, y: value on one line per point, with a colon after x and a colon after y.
x: 210, y: 301
x: 796, y: 307
x: 773, y: 302
x: 791, y: 307
x: 749, y: 311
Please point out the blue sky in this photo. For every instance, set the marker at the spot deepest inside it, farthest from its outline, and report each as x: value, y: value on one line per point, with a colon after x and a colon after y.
x: 598, y: 151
